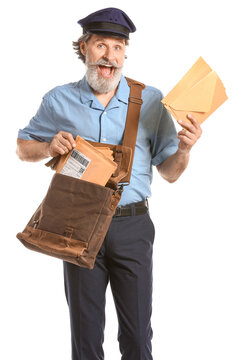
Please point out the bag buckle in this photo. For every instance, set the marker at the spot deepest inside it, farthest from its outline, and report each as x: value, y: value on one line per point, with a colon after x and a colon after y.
x: 118, y: 211
x: 135, y: 100
x: 68, y: 232
x: 35, y: 223
x: 119, y: 190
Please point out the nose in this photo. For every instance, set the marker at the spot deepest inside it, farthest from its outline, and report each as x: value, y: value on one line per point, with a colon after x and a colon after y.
x: 109, y: 54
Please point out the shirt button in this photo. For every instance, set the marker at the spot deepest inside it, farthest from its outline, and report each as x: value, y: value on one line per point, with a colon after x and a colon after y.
x: 104, y: 139
x: 105, y: 113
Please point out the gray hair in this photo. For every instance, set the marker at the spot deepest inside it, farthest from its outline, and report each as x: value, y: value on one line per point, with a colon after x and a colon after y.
x: 85, y: 38
x: 76, y: 46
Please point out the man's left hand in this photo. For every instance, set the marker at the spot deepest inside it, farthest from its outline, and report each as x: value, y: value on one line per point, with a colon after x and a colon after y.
x: 190, y: 133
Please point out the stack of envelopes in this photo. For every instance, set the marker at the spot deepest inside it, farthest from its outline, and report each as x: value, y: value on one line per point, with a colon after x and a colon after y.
x: 200, y: 92
x: 106, y: 151
x: 87, y: 162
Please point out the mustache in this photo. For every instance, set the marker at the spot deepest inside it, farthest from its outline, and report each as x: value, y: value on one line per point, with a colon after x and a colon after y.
x: 104, y: 62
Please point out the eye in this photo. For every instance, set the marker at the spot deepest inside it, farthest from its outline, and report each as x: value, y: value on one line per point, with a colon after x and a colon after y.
x: 117, y: 47
x: 100, y: 46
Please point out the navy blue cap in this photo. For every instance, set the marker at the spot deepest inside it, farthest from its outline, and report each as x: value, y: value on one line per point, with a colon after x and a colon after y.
x: 109, y: 21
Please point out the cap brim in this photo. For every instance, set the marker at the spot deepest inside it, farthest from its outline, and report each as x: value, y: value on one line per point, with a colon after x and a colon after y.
x: 106, y: 33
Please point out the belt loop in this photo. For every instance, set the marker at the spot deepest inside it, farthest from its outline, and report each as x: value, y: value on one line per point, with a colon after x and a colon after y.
x: 147, y: 203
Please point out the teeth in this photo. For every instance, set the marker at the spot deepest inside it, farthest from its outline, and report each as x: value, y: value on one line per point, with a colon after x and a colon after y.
x: 106, y: 65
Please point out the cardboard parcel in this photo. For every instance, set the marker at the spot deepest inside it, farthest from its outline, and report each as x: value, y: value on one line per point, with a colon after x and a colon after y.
x: 200, y: 92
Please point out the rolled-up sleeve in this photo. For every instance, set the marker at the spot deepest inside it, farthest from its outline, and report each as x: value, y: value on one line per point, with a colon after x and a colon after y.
x: 164, y: 139
x: 42, y: 126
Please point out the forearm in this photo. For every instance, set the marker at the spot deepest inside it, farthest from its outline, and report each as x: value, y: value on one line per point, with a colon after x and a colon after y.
x: 32, y: 150
x: 174, y: 165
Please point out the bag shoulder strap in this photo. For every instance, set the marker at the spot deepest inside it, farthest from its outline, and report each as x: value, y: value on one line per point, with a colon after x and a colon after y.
x: 131, y: 127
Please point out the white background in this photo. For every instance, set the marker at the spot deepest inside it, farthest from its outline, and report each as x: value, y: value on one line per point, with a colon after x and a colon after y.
x: 196, y: 313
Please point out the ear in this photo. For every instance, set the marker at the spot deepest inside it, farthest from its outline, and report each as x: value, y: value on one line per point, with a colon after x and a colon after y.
x: 83, y: 47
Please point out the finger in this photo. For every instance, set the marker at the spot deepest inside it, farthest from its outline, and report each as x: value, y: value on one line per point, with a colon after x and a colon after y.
x: 68, y: 136
x: 193, y: 121
x: 61, y: 143
x: 186, y: 140
x: 64, y: 138
x: 64, y: 143
x: 187, y: 134
x: 187, y: 126
x: 59, y: 149
x: 197, y: 131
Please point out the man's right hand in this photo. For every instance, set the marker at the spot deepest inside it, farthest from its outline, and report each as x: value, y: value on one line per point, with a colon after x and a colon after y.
x: 62, y: 143
x: 34, y: 150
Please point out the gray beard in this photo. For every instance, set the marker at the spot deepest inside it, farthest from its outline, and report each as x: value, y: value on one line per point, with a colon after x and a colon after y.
x: 97, y: 82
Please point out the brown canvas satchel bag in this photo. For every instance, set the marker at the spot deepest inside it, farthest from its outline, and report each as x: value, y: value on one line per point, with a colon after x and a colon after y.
x: 73, y: 218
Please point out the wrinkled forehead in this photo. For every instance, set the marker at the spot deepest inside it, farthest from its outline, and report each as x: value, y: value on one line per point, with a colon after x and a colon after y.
x: 106, y: 39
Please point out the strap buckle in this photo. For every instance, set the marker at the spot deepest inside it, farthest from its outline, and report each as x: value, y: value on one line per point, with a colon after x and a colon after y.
x: 119, y: 190
x: 118, y: 211
x: 135, y: 100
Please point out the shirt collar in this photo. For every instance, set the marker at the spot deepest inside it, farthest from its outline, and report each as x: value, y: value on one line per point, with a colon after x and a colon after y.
x: 123, y: 90
x: 86, y: 94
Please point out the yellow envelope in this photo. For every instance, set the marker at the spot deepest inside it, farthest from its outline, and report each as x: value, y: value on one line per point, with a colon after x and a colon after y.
x: 85, y: 162
x: 106, y: 151
x: 200, y: 92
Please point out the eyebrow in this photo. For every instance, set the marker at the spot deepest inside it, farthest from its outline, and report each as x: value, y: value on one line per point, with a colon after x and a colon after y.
x: 99, y: 39
x: 121, y: 41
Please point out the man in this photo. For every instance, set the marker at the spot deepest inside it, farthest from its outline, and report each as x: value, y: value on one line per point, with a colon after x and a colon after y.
x: 96, y: 108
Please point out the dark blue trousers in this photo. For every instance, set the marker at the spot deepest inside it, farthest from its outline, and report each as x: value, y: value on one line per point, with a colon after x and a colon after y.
x: 124, y: 260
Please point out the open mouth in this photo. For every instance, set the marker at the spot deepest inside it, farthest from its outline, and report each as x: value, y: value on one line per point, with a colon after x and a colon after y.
x: 106, y: 70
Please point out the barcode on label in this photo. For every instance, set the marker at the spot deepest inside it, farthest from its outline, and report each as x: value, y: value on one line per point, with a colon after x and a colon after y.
x: 76, y: 164
x: 78, y: 156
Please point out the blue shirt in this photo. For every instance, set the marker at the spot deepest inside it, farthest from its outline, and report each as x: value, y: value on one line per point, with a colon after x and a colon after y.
x: 74, y: 108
